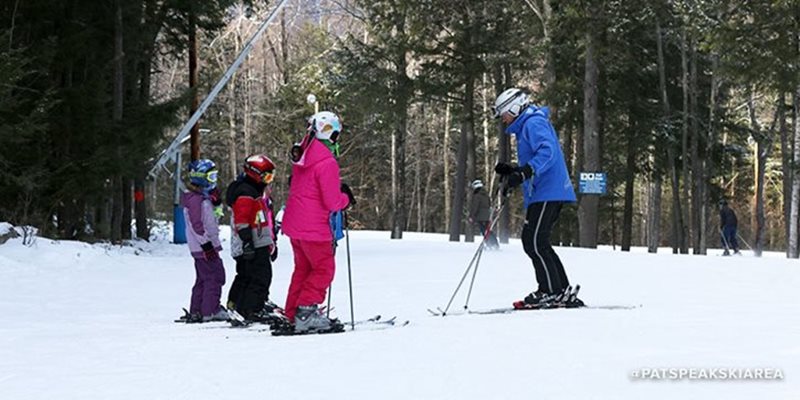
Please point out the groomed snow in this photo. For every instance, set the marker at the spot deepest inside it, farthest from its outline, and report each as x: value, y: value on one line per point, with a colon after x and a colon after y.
x: 80, y: 321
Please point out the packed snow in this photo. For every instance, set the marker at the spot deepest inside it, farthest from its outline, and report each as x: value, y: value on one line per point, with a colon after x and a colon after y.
x: 82, y: 321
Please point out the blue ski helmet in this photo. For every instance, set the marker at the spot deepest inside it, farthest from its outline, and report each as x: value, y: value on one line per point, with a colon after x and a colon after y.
x: 203, y: 174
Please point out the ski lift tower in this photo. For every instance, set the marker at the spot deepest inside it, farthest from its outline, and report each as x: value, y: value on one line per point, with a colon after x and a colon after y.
x: 172, y: 152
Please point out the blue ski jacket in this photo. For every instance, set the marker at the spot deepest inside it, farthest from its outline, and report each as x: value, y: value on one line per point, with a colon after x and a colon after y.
x: 538, y: 146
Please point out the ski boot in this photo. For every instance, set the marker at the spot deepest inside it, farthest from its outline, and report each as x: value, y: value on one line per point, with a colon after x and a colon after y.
x: 272, y: 308
x: 309, y: 319
x: 536, y: 300
x: 571, y: 300
x: 194, y: 318
x: 220, y: 315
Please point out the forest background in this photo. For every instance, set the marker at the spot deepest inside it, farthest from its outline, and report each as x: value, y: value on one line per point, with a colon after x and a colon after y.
x: 681, y: 103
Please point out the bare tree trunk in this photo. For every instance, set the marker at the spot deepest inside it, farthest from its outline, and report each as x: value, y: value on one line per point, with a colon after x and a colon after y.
x: 786, y: 168
x: 589, y: 205
x: 233, y: 131
x: 459, y: 189
x: 446, y: 162
x: 678, y: 229
x: 399, y: 144
x: 763, y: 142
x: 127, y: 208
x: 654, y: 212
x: 139, y: 186
x: 246, y: 127
x: 627, y: 213
x: 707, y: 170
x: 398, y: 177
x: 284, y: 49
x: 468, y: 124
x: 195, y: 133
x: 233, y: 163
x: 119, y: 65
x: 487, y: 177
x: 795, y: 209
x: 418, y: 170
x: 504, y: 149
x: 685, y: 142
x: 697, y: 163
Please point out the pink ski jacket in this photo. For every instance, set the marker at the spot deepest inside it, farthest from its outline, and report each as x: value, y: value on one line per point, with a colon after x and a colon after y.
x: 313, y: 195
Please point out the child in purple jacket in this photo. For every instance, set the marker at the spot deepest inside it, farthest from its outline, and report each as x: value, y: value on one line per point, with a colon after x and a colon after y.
x: 202, y: 234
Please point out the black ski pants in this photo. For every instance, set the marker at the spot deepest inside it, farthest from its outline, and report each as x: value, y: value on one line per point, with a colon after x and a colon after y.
x: 250, y: 287
x: 539, y: 221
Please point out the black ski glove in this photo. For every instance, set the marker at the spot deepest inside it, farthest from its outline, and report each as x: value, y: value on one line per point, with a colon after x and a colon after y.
x: 505, y: 168
x: 346, y: 190
x: 248, y: 249
x: 520, y: 174
x: 209, y: 251
x: 274, y: 255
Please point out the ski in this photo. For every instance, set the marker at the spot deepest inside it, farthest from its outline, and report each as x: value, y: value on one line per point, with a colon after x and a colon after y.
x: 188, y: 318
x: 185, y: 317
x: 287, y: 329
x: 374, y: 323
x: 567, y: 300
x: 509, y: 310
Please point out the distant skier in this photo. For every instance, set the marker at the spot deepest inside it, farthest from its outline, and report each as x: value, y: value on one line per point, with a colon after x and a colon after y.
x: 315, y: 193
x: 728, y: 225
x: 545, y: 186
x: 202, y: 232
x: 481, y: 213
x: 253, y: 241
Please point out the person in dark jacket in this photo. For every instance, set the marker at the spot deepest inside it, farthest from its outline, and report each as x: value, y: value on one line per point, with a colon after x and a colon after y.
x: 253, y: 244
x: 546, y: 187
x: 728, y: 225
x: 481, y: 213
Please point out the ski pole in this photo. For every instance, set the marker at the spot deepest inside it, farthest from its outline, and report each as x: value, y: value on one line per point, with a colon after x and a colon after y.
x: 349, y: 274
x: 744, y: 241
x: 328, y: 308
x: 466, y: 272
x: 497, y: 211
x: 469, y: 267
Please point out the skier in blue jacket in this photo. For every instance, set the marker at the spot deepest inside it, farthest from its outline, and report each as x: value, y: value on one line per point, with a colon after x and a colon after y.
x: 544, y: 180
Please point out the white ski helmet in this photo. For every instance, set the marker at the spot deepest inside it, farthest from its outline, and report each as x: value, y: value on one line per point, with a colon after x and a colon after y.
x: 325, y: 125
x: 476, y: 184
x: 511, y: 101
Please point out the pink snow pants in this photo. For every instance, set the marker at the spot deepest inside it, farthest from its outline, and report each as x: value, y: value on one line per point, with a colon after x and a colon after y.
x: 314, y: 266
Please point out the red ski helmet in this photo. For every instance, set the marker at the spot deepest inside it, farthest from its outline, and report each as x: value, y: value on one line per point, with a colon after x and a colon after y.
x: 259, y: 168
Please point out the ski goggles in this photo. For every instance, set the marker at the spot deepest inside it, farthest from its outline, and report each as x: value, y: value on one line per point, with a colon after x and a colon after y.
x: 210, y: 176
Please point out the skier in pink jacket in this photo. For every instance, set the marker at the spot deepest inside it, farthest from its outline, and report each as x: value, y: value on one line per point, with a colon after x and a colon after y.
x: 315, y: 193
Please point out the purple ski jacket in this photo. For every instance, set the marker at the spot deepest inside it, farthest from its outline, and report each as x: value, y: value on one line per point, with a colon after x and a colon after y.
x: 201, y: 223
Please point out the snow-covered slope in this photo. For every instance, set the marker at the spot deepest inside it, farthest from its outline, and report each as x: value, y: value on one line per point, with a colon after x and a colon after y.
x: 81, y: 321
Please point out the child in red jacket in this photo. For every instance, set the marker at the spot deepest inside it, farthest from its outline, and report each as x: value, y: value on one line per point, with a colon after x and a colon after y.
x: 253, y: 243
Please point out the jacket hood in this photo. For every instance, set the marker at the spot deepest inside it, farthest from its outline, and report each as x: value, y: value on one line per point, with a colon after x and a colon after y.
x: 315, y: 152
x: 530, y: 111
